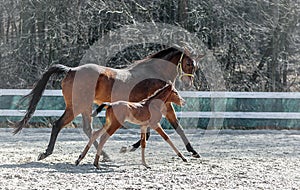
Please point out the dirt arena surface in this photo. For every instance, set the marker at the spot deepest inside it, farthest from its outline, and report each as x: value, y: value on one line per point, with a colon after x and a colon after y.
x: 260, y: 159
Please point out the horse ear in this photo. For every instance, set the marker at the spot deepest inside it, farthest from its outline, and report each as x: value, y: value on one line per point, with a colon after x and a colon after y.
x: 199, y: 57
x: 169, y: 82
x: 186, y: 51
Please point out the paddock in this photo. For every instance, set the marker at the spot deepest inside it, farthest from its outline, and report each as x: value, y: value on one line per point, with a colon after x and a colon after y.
x: 231, y: 159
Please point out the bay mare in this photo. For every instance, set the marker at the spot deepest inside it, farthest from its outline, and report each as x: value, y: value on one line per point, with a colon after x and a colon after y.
x: 90, y: 83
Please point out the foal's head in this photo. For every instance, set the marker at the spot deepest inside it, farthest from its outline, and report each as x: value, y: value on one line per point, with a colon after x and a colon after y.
x: 175, y: 97
x: 168, y: 93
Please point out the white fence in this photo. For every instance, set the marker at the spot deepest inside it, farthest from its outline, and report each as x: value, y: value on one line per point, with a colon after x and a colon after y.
x: 184, y: 114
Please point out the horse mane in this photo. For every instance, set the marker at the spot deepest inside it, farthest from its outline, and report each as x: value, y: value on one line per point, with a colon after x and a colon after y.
x: 156, y: 93
x: 165, y: 54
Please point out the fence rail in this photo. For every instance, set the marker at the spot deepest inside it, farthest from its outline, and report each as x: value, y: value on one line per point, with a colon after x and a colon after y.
x: 191, y: 94
x: 183, y: 114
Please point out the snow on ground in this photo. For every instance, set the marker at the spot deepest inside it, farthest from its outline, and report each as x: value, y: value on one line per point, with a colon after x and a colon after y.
x: 261, y: 159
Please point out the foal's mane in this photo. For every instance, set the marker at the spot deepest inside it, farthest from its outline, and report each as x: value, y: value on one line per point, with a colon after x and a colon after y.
x: 157, y: 93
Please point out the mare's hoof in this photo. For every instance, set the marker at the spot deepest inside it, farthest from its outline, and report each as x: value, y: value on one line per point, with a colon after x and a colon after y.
x: 125, y: 149
x: 184, y: 159
x: 132, y: 149
x: 42, y: 156
x: 94, y: 114
x: 97, y: 166
x: 196, y: 155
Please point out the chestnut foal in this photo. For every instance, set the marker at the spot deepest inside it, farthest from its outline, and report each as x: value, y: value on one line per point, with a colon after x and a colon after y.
x: 147, y: 112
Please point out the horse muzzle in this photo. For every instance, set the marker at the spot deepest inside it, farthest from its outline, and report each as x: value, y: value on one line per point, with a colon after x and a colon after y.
x: 182, y: 102
x: 187, y: 81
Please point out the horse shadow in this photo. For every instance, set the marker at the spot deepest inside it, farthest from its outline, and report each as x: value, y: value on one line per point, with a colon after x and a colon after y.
x: 105, y: 167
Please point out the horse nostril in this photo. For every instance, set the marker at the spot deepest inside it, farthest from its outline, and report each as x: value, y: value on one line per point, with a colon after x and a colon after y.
x: 183, y: 102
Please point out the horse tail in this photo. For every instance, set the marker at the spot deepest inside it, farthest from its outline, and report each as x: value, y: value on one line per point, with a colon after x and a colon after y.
x: 36, y: 94
x: 100, y: 108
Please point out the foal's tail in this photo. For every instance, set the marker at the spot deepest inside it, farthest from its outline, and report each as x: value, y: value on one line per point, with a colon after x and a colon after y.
x: 100, y: 108
x: 36, y: 94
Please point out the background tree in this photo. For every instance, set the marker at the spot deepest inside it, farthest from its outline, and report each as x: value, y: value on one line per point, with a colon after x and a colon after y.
x: 256, y: 43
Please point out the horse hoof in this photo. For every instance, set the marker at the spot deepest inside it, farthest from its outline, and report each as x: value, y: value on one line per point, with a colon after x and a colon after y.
x: 184, y: 159
x: 132, y: 149
x: 94, y: 114
x: 147, y: 167
x: 97, y: 166
x: 196, y: 155
x: 42, y: 156
x: 123, y: 149
x: 77, y: 162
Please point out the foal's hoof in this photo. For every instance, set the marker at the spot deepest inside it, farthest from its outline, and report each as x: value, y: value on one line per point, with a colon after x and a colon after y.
x: 184, y: 159
x: 42, y: 156
x: 77, y: 162
x: 147, y: 167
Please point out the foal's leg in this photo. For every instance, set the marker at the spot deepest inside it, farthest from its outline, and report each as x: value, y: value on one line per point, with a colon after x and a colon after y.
x: 135, y: 145
x: 171, y: 117
x: 162, y: 133
x: 66, y: 118
x: 93, y: 138
x: 87, y: 128
x: 143, y: 143
x: 108, y: 131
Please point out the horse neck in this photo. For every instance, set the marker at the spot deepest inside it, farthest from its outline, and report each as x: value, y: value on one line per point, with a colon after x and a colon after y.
x: 163, y: 69
x: 162, y: 95
x: 169, y: 64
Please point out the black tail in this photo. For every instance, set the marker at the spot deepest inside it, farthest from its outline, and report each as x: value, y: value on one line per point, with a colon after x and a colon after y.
x: 36, y: 94
x: 99, y: 109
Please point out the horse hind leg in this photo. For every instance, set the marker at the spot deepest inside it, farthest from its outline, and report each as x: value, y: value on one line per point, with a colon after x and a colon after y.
x: 103, y: 139
x: 87, y: 128
x: 93, y: 138
x: 108, y: 131
x: 136, y: 145
x: 66, y: 118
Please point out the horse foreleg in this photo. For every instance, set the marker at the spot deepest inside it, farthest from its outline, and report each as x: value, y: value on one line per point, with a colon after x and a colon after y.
x: 171, y: 117
x: 162, y: 133
x: 87, y: 128
x: 66, y: 118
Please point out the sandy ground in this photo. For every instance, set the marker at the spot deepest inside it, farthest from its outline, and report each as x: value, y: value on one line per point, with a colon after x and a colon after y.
x: 230, y: 160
